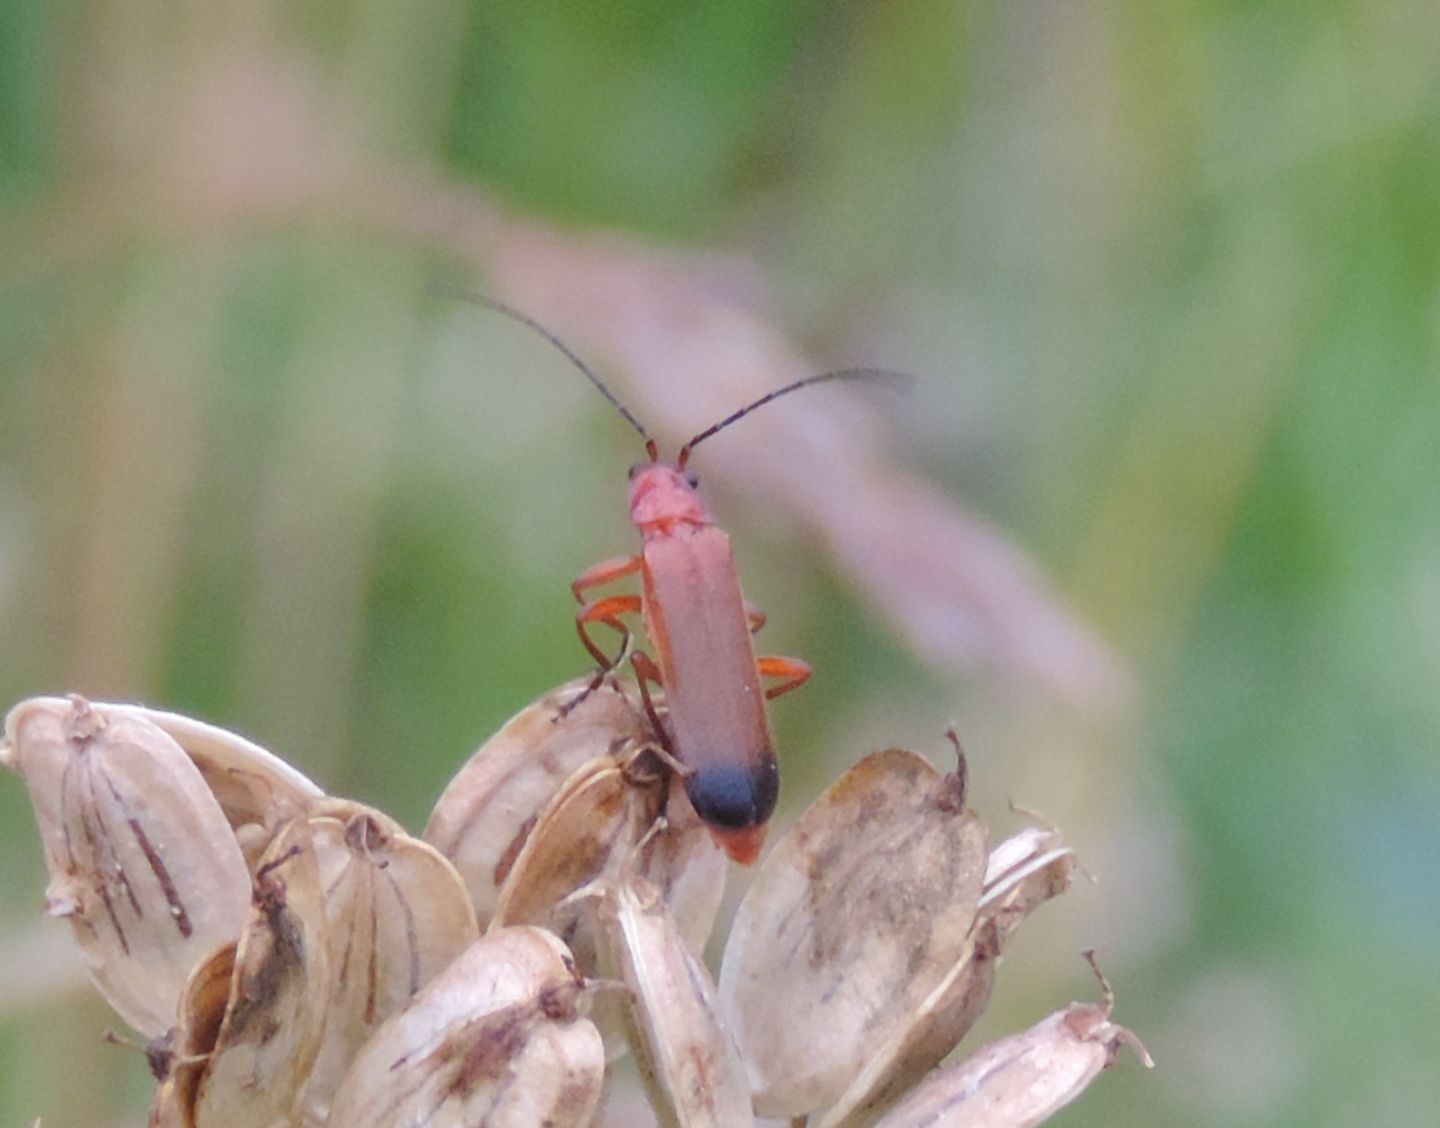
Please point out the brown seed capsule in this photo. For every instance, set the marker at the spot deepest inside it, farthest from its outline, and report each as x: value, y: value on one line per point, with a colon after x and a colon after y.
x: 276, y: 1011
x: 1025, y: 1079
x: 1022, y: 873
x: 857, y: 915
x: 496, y: 1039
x: 486, y: 813
x: 687, y: 1058
x: 397, y: 916
x: 142, y: 861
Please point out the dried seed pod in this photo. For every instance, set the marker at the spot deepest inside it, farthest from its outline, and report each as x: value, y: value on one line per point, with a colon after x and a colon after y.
x: 596, y: 818
x: 275, y: 1014
x: 142, y: 861
x: 687, y: 1058
x: 916, y: 1047
x: 496, y: 1039
x: 857, y: 915
x: 1025, y: 1079
x: 1022, y: 874
x: 485, y: 814
x: 684, y: 862
x: 604, y: 823
x: 605, y: 820
x: 398, y: 915
x: 251, y: 784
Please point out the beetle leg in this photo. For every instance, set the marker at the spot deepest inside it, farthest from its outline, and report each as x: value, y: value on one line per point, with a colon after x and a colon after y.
x: 604, y: 573
x: 596, y: 682
x: 795, y: 672
x: 607, y: 611
x: 647, y: 672
x: 755, y: 616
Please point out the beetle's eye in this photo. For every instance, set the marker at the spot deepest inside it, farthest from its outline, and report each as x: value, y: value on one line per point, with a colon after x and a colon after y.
x: 693, y: 479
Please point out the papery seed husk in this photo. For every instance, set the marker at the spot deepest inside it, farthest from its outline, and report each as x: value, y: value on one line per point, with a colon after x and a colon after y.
x: 1020, y: 850
x: 938, y: 1025
x: 687, y: 1059
x: 684, y: 862
x: 485, y: 814
x: 595, y: 820
x: 1022, y: 1080
x: 603, y: 822
x: 179, y: 1058
x: 859, y: 912
x: 397, y: 914
x: 275, y: 1015
x: 1013, y: 893
x: 169, y: 1110
x: 142, y: 861
x: 1022, y: 873
x: 251, y: 784
x: 496, y: 1039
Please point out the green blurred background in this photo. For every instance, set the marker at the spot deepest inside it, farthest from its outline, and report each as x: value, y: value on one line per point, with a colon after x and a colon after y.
x: 1169, y: 274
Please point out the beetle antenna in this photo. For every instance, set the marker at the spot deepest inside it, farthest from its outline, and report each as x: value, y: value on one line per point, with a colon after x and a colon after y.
x: 877, y: 374
x: 524, y: 319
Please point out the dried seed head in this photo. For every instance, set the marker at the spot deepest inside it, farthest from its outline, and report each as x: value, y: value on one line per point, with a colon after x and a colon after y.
x: 142, y: 861
x: 397, y: 915
x: 495, y: 1039
x: 857, y: 915
x: 486, y: 813
x: 1025, y: 1079
x: 687, y: 1058
x: 276, y: 1011
x: 352, y: 989
x: 1022, y: 874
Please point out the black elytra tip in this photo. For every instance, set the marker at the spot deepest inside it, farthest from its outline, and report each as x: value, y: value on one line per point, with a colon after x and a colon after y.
x: 734, y: 797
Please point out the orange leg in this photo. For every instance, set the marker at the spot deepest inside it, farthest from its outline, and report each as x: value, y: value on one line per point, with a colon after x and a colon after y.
x: 795, y: 672
x: 604, y: 573
x: 607, y: 612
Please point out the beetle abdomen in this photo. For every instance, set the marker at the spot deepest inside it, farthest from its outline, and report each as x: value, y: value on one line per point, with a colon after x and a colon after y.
x: 734, y: 796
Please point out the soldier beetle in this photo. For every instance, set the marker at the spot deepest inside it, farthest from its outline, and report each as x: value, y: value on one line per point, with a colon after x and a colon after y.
x: 716, y: 725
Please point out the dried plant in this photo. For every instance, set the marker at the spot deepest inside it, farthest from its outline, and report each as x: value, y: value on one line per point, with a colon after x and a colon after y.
x: 297, y: 959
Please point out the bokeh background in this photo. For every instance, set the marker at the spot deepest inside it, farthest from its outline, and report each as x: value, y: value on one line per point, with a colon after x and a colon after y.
x: 1169, y: 276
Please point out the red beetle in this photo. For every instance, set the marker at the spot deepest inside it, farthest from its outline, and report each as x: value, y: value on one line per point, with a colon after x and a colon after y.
x: 700, y: 628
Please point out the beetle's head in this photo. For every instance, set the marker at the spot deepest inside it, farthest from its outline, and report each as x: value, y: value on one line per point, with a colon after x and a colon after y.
x: 663, y: 497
